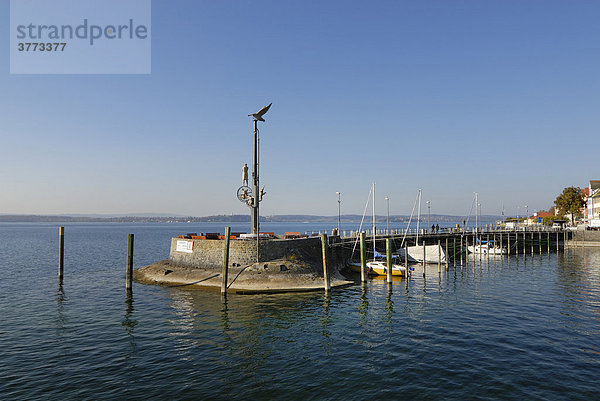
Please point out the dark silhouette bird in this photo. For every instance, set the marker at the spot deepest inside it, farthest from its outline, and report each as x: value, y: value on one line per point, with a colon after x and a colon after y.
x: 258, y: 115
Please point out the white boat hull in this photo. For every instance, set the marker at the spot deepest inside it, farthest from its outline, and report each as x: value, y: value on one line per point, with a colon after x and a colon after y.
x: 486, y: 250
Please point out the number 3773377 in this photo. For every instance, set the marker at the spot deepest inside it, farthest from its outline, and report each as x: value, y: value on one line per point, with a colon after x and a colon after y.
x: 41, y: 47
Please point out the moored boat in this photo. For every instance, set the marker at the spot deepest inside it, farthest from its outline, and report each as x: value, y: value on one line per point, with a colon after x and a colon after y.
x: 486, y: 248
x: 379, y: 268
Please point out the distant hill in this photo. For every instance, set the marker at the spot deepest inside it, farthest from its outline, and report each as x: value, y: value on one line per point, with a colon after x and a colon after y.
x: 233, y: 218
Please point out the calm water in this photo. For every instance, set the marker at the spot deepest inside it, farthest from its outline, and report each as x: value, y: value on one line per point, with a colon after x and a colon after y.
x: 526, y: 328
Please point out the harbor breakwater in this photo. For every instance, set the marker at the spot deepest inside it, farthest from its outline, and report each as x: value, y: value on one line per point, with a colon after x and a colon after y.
x: 280, y: 265
x: 267, y: 265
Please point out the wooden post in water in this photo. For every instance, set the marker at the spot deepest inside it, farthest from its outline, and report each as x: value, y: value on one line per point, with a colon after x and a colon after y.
x: 508, y: 243
x: 466, y: 251
x: 516, y: 244
x: 225, y: 271
x: 488, y: 244
x: 439, y: 257
x: 461, y: 251
x: 532, y: 243
x: 363, y: 258
x: 61, y: 252
x: 480, y: 243
x: 524, y: 242
x: 388, y: 254
x: 129, y: 268
x: 324, y: 247
x: 406, y: 258
x: 424, y: 257
x: 447, y: 255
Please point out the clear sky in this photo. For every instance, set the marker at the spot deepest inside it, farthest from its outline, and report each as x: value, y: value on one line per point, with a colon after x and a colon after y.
x: 454, y: 97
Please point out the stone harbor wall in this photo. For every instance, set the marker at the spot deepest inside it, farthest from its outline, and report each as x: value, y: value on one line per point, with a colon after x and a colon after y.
x: 208, y: 254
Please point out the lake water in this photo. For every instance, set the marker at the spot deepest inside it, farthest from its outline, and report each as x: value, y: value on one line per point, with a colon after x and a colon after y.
x: 524, y: 328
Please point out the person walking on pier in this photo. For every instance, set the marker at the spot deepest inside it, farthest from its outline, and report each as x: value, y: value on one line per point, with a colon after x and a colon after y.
x: 432, y: 228
x: 437, y: 228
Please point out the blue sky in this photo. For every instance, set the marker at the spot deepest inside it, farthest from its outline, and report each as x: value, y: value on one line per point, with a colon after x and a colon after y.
x: 454, y: 97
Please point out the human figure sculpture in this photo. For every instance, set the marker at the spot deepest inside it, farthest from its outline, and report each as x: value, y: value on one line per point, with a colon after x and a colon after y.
x: 245, y: 174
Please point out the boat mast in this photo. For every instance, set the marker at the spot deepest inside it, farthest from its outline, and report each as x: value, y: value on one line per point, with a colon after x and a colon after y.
x: 374, y: 221
x: 418, y: 216
x: 476, y: 219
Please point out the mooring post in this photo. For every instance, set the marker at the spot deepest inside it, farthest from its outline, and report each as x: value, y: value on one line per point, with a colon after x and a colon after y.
x: 480, y: 243
x: 524, y: 243
x: 61, y: 252
x: 461, y: 251
x: 388, y: 254
x: 488, y: 244
x: 439, y: 257
x: 532, y: 243
x: 363, y: 258
x: 225, y: 270
x: 466, y: 251
x: 324, y: 247
x: 129, y: 269
x: 424, y: 257
x: 446, y: 253
x: 454, y: 251
x: 406, y: 258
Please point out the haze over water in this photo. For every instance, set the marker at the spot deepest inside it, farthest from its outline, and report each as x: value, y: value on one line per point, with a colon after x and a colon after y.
x: 510, y: 328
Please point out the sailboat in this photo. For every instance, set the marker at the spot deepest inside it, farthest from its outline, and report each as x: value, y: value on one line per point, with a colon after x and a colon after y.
x: 483, y: 247
x: 375, y: 266
x: 431, y: 253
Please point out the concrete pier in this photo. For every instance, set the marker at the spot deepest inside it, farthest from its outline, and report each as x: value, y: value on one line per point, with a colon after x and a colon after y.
x: 284, y: 265
x: 296, y: 264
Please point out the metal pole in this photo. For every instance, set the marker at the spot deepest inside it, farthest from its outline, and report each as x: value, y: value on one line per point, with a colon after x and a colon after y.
x: 387, y: 230
x: 339, y: 211
x: 428, y: 214
x: 255, y: 183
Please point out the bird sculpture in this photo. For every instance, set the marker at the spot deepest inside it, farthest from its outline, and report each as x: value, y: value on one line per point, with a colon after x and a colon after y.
x: 258, y: 115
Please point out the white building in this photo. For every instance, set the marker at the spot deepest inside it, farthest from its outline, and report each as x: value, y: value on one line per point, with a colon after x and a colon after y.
x: 593, y: 202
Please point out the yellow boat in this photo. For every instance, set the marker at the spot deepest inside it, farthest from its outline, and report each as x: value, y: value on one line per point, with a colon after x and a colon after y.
x: 379, y: 268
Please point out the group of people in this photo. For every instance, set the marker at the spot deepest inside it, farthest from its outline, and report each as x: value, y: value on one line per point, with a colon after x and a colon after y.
x: 435, y: 228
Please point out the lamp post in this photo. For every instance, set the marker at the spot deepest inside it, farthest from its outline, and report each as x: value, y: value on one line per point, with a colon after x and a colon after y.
x: 387, y: 230
x: 428, y: 214
x: 339, y: 209
x: 256, y: 196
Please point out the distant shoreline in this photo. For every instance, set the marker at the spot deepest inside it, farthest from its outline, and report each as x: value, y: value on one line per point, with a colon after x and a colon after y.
x: 8, y: 218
